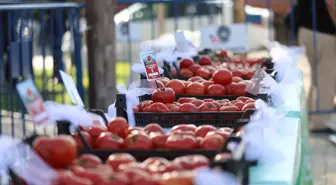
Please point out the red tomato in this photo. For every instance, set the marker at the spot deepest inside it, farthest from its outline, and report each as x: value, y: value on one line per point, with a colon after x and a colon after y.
x: 230, y: 108
x: 222, y: 76
x: 158, y: 140
x: 164, y: 80
x: 194, y: 67
x: 216, y: 90
x: 153, y: 127
x: 188, y: 107
x: 237, y: 73
x: 117, y: 159
x: 244, y: 98
x: 208, y: 100
x: 59, y: 152
x: 118, y: 126
x: 95, y: 131
x: 186, y: 83
x: 138, y: 141
x: 249, y: 106
x: 95, y: 176
x: 182, y: 133
x: 185, y: 100
x: 207, y: 84
x: 163, y: 95
x: 216, y: 104
x: 158, y: 107
x: 173, y: 72
x: 197, y: 102
x: 235, y: 101
x: 76, y: 168
x: 191, y: 162
x: 195, y: 79
x: 180, y: 142
x: 214, y: 142
x: 223, y: 157
x: 160, y: 165
x: 186, y: 73
x: 204, y: 73
x: 88, y: 161
x: 107, y: 140
x: 185, y: 127
x: 116, y: 179
x: 144, y: 180
x: 144, y: 104
x: 208, y: 107
x: 195, y: 88
x: 177, y: 86
x: 202, y: 131
x: 240, y: 89
x: 136, y: 109
x: 248, y: 74
x: 159, y: 84
x: 224, y: 135
x: 236, y: 79
x: 135, y: 129
x: 178, y: 178
x: 230, y: 88
x: 79, y: 142
x: 67, y: 177
x: 186, y: 63
x: 133, y: 166
x: 204, y: 60
x: 172, y: 107
x: 240, y: 105
x: 250, y: 101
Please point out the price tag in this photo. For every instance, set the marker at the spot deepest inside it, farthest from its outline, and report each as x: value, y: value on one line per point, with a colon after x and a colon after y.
x: 32, y: 101
x: 148, y: 59
x: 70, y: 86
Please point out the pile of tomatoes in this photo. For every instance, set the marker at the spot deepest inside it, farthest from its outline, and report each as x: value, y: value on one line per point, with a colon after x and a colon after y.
x: 119, y: 135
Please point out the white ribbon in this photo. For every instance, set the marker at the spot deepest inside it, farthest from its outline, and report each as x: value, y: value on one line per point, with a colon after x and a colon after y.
x: 24, y: 162
x: 204, y: 176
x: 132, y: 98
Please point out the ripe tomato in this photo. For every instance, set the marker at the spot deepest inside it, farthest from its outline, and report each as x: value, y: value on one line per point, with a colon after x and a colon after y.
x: 214, y: 142
x: 230, y: 108
x: 107, y: 140
x: 118, y: 126
x: 186, y: 63
x: 236, y: 79
x: 172, y: 107
x: 153, y: 127
x: 76, y: 167
x: 222, y: 76
x: 191, y: 162
x: 135, y: 129
x: 185, y: 127
x: 182, y: 133
x: 144, y: 104
x: 173, y: 72
x: 188, y: 107
x: 181, y: 142
x: 208, y: 100
x: 158, y: 107
x: 186, y: 73
x: 204, y: 73
x: 136, y: 109
x: 244, y: 98
x: 230, y: 88
x: 197, y: 102
x: 216, y: 104
x: 206, y: 85
x: 194, y: 67
x: 248, y: 74
x: 216, y: 90
x: 79, y: 142
x: 133, y: 166
x: 234, y: 101
x: 249, y: 106
x: 155, y: 161
x: 116, y: 179
x: 208, y: 107
x: 224, y: 135
x: 117, y: 159
x: 164, y: 80
x: 138, y: 141
x: 195, y: 79
x: 237, y: 73
x: 250, y: 101
x: 202, y: 131
x: 177, y: 86
x: 158, y: 140
x: 186, y: 83
x: 178, y: 178
x: 240, y: 105
x: 67, y: 177
x: 195, y: 88
x: 159, y: 84
x: 160, y: 165
x: 59, y: 152
x: 185, y: 100
x: 204, y: 60
x: 223, y: 157
x: 143, y: 180
x: 95, y: 131
x: 240, y: 89
x: 88, y: 161
x: 95, y: 176
x: 163, y: 95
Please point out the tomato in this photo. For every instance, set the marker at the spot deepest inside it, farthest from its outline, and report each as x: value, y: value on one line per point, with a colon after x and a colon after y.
x: 88, y: 161
x: 153, y: 127
x: 237, y: 79
x: 86, y: 136
x: 107, y: 140
x: 178, y: 178
x: 191, y: 162
x: 164, y: 80
x: 204, y: 73
x: 117, y: 159
x: 138, y: 141
x: 223, y: 157
x: 118, y: 126
x: 235, y: 101
x: 244, y: 98
x: 208, y: 107
x: 76, y: 168
x: 195, y: 79
x: 182, y: 133
x: 186, y: 63
x: 224, y: 135
x: 158, y: 107
x: 172, y: 107
x: 181, y: 142
x: 240, y: 89
x: 185, y: 127
x: 186, y: 73
x: 185, y: 100
x: 206, y: 85
x: 216, y: 104
x: 163, y: 95
x: 222, y: 76
x: 59, y: 152
x: 195, y: 88
x: 249, y: 106
x: 199, y: 140
x: 95, y: 176
x: 143, y: 180
x: 237, y: 73
x: 216, y: 90
x: 212, y: 142
x: 194, y: 67
x: 197, y: 102
x: 177, y: 86
x: 159, y: 84
x: 204, y: 60
x: 230, y: 88
x: 230, y: 108
x: 160, y: 165
x: 202, y: 131
x: 188, y: 107
x: 95, y: 131
x: 248, y: 74
x: 186, y: 83
x: 136, y: 109
x: 133, y: 166
x: 144, y: 104
x: 135, y: 129
x: 173, y: 72
x: 240, y: 105
x: 116, y: 179
x: 208, y: 100
x: 67, y: 177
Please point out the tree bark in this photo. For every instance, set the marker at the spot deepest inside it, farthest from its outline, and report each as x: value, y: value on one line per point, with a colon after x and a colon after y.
x: 101, y: 52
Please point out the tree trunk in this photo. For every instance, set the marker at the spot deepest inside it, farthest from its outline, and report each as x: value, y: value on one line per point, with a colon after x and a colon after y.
x: 239, y: 11
x: 101, y: 52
